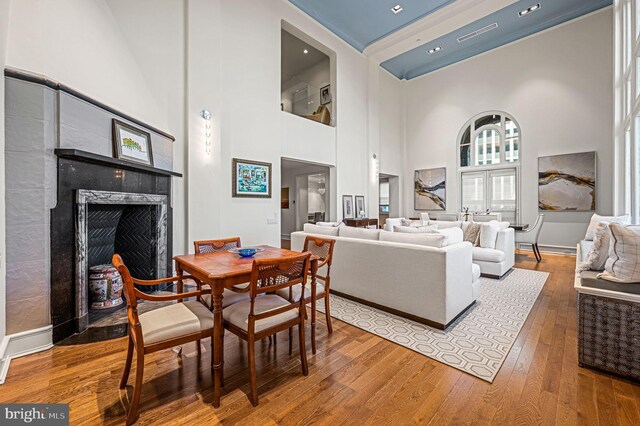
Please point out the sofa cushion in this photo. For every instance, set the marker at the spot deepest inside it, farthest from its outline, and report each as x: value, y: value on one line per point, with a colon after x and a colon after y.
x: 321, y: 230
x: 430, y: 240
x: 415, y: 229
x: 454, y: 235
x: 504, y: 225
x: 590, y: 279
x: 595, y: 219
x: 361, y: 233
x: 475, y: 272
x: 391, y: 222
x: 623, y: 265
x: 488, y: 255
x: 489, y: 234
x: 444, y: 224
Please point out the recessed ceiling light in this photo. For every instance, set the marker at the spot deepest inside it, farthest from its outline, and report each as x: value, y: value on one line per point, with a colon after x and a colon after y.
x: 305, y: 51
x: 396, y: 9
x: 529, y: 10
x: 434, y: 50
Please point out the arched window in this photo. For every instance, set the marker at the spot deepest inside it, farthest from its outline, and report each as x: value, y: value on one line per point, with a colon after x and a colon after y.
x: 489, y: 139
x: 489, y: 164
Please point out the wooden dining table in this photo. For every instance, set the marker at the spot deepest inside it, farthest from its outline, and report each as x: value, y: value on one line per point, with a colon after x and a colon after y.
x: 223, y: 269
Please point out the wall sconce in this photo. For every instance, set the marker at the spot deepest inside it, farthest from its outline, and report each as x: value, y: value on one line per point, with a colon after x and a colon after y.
x: 207, y: 118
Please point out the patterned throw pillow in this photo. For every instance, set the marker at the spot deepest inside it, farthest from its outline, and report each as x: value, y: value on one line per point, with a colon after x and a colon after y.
x: 472, y: 233
x: 597, y: 256
x: 623, y: 265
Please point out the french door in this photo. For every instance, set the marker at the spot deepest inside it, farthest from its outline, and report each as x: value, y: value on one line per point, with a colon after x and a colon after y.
x: 494, y: 190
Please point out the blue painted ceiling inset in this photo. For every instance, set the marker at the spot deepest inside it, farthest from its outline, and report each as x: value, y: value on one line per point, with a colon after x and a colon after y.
x: 511, y: 27
x: 362, y: 22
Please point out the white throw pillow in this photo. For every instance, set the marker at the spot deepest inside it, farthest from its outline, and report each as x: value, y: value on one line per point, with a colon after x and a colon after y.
x: 595, y: 219
x: 332, y: 224
x: 444, y: 224
x: 453, y: 235
x: 414, y: 229
x: 361, y: 233
x: 599, y: 251
x: 310, y: 228
x: 413, y: 223
x: 430, y: 240
x: 489, y: 234
x: 425, y: 217
x: 623, y: 265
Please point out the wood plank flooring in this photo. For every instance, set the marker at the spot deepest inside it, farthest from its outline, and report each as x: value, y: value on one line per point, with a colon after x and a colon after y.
x: 355, y: 378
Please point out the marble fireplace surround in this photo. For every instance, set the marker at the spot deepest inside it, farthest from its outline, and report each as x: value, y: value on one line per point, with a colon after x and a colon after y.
x: 84, y: 198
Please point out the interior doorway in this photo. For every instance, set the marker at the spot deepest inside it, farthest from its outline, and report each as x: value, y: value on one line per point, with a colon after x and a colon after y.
x: 389, y: 196
x: 305, y: 195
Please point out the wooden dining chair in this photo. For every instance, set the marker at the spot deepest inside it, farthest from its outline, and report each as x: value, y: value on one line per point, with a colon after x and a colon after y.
x: 323, y: 248
x: 159, y: 329
x: 231, y: 295
x: 266, y: 313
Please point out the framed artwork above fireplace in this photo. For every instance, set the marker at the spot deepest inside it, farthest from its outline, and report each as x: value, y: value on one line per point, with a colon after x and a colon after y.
x: 131, y: 143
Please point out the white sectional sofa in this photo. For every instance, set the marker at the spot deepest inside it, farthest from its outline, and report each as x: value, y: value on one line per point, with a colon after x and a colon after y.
x: 493, y: 262
x: 432, y: 285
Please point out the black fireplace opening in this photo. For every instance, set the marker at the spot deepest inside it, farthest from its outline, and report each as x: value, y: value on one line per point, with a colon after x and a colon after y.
x: 128, y: 230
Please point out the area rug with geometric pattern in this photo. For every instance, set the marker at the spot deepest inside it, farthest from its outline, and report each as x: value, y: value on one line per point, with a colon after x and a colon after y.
x: 477, y: 343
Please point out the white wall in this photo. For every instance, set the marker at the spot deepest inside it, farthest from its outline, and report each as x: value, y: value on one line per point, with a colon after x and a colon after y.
x: 559, y: 87
x: 4, y: 34
x: 78, y: 43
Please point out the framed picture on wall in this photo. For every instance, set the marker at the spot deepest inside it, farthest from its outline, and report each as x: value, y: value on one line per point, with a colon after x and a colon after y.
x: 325, y: 95
x: 347, y: 207
x: 567, y: 182
x: 251, y: 179
x: 430, y: 189
x: 131, y: 144
x: 361, y: 211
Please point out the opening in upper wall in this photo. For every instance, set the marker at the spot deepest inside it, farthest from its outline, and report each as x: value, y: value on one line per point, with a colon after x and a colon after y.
x: 307, y: 85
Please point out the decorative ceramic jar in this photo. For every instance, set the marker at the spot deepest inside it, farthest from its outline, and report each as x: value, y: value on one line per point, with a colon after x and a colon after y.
x: 105, y: 287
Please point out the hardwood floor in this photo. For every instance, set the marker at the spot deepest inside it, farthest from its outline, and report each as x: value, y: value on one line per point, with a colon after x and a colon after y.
x: 355, y: 378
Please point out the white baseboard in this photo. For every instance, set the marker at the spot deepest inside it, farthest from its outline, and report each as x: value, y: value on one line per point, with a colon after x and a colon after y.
x: 548, y: 248
x: 21, y: 344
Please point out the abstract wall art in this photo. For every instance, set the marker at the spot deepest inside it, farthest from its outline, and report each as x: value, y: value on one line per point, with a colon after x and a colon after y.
x: 567, y: 182
x: 251, y: 179
x: 430, y: 189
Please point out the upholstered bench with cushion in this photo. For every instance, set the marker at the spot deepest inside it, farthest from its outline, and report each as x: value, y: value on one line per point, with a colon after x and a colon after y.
x: 608, y: 320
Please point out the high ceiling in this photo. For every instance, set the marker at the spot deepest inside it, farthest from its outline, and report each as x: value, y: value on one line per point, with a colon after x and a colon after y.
x: 362, y: 23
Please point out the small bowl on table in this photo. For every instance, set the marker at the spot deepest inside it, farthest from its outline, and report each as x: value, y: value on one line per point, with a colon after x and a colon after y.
x: 246, y: 252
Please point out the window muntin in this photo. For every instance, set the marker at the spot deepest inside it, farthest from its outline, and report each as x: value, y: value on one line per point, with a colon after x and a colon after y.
x: 489, y: 139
